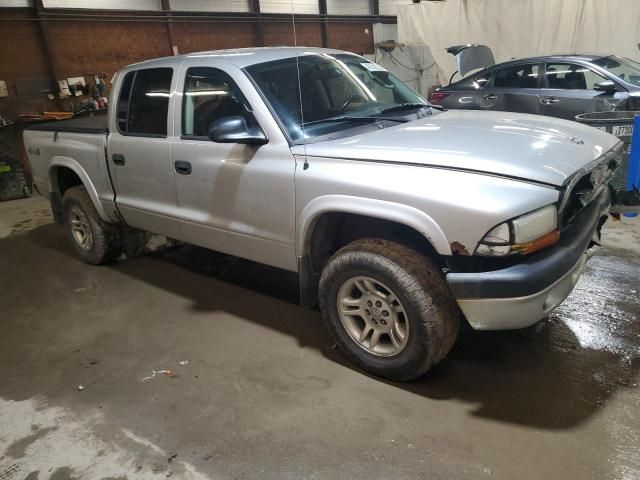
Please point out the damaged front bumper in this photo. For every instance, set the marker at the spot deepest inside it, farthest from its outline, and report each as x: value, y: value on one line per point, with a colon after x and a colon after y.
x: 520, y: 295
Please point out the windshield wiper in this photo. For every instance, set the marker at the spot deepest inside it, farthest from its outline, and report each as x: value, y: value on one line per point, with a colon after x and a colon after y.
x: 355, y: 119
x: 408, y: 106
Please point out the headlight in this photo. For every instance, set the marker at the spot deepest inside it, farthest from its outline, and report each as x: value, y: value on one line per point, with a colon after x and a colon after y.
x: 523, y: 235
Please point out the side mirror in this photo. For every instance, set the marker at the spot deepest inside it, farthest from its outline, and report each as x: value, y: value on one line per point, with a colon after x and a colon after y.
x: 234, y: 129
x: 605, y: 86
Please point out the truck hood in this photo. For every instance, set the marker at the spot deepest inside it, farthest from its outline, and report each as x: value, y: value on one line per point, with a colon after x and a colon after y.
x: 528, y: 147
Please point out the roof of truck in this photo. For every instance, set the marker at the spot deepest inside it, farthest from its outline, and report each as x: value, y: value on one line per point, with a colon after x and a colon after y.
x: 242, y: 57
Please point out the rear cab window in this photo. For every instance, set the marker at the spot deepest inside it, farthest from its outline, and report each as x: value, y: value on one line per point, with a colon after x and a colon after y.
x: 143, y: 105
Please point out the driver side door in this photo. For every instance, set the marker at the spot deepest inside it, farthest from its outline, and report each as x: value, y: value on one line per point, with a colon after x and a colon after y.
x: 232, y: 197
x: 568, y: 90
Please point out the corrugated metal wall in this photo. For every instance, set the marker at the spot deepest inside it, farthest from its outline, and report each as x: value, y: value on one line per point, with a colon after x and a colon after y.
x: 334, y: 7
x: 105, y: 4
x: 352, y: 7
x: 16, y: 3
x: 210, y: 5
x: 289, y: 6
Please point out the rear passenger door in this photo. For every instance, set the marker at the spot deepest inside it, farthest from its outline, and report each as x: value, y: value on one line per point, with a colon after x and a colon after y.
x: 568, y: 91
x: 513, y: 89
x: 139, y: 151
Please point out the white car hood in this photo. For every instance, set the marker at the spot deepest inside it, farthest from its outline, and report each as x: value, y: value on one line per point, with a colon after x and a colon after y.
x: 529, y: 147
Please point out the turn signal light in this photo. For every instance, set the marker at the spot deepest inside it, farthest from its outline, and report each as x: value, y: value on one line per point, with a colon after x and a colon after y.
x: 537, y: 244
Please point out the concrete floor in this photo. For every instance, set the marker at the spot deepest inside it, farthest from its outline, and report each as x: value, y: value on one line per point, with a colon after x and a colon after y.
x: 264, y: 394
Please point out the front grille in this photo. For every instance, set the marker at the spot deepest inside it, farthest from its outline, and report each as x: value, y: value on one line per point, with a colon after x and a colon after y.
x: 584, y: 187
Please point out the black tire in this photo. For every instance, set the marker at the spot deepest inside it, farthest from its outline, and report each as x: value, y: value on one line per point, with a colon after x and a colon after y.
x: 417, y: 282
x: 106, y: 238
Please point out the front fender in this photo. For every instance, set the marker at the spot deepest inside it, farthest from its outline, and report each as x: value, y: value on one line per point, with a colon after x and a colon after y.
x: 395, y: 212
x: 70, y: 163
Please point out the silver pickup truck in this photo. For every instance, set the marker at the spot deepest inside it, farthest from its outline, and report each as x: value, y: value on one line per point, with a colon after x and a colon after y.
x: 400, y: 219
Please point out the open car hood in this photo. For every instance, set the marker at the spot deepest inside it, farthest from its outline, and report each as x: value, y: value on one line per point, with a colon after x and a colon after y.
x: 471, y: 57
x: 513, y: 145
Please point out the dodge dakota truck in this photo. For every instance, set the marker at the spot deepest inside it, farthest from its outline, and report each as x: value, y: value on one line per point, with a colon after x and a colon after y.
x: 400, y: 219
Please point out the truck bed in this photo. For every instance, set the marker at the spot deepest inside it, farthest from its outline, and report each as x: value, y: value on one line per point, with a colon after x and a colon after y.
x: 76, y: 147
x: 86, y: 124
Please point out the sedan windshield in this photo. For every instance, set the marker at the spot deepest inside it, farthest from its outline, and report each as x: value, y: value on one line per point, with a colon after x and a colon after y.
x: 333, y: 93
x: 621, y: 67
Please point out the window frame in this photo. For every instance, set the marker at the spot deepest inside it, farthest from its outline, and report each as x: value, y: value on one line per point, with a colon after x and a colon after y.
x: 494, y: 73
x: 488, y: 74
x: 248, y: 111
x: 133, y: 83
x: 546, y: 86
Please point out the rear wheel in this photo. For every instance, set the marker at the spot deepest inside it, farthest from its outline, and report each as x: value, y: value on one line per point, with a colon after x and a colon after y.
x: 95, y: 240
x: 388, y: 308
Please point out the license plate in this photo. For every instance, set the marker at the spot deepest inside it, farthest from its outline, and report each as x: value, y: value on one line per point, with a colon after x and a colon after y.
x: 622, y: 130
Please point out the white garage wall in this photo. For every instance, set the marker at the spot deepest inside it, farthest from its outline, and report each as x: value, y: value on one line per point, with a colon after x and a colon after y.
x: 210, y: 5
x: 351, y: 7
x: 415, y: 66
x: 105, y: 4
x: 289, y: 6
x: 390, y: 7
x: 523, y: 28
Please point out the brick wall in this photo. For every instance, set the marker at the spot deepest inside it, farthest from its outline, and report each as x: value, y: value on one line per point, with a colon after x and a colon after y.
x: 308, y: 34
x: 194, y: 37
x: 354, y: 37
x: 21, y: 57
x: 85, y: 47
x: 79, y: 48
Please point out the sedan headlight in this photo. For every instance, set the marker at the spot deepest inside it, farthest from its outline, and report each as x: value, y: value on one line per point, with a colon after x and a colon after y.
x: 526, y: 234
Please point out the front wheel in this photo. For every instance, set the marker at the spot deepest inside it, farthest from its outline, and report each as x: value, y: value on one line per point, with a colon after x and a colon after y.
x: 388, y: 308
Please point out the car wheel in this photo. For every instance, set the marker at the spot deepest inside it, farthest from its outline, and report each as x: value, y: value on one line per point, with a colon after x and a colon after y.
x: 388, y: 308
x: 94, y: 240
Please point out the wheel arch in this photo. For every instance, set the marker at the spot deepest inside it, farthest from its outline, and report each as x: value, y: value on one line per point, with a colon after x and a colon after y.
x: 64, y: 173
x: 376, y: 210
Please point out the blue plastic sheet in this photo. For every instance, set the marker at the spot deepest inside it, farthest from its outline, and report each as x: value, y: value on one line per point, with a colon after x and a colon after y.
x: 633, y: 175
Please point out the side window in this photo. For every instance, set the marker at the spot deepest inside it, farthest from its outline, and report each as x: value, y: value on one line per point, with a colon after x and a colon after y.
x: 519, y: 76
x: 144, y: 102
x: 209, y: 94
x: 566, y: 76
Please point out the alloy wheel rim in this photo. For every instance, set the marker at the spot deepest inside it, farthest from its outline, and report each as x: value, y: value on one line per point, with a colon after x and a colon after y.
x: 81, y: 229
x: 373, y: 316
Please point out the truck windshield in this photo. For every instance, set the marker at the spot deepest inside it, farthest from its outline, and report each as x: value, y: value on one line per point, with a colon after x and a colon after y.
x: 621, y: 67
x: 337, y: 92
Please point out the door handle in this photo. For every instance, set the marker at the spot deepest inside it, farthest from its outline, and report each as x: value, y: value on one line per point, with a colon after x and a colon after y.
x: 549, y: 100
x: 182, y: 167
x: 118, y: 159
x: 490, y: 96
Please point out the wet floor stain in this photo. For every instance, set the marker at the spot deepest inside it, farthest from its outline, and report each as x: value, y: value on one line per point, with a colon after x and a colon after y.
x: 19, y: 448
x: 603, y: 312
